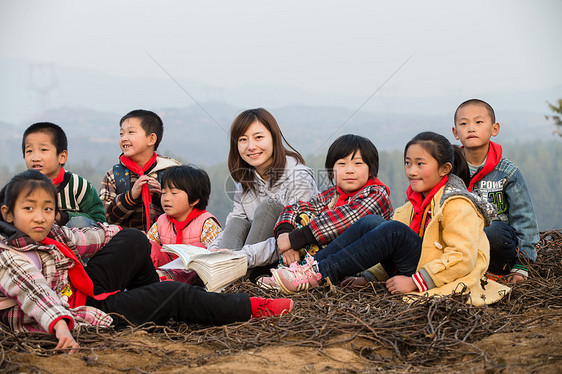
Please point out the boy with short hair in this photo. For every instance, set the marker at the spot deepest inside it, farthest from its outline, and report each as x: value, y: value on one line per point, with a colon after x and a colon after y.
x: 515, y: 233
x: 44, y: 147
x: 131, y: 190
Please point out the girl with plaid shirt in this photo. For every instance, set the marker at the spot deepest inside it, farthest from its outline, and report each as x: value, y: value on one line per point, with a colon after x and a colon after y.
x: 44, y: 285
x: 352, y: 162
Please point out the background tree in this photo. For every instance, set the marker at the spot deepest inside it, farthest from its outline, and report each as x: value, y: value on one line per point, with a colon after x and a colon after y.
x: 556, y: 118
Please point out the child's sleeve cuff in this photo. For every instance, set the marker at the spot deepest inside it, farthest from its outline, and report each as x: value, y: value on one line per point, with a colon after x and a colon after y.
x: 283, y: 228
x: 302, y: 237
x: 423, y: 281
x: 69, y: 322
x: 128, y: 201
x: 520, y: 269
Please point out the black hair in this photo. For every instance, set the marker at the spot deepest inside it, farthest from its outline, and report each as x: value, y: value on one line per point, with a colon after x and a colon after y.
x: 58, y: 137
x: 349, y: 144
x: 191, y: 179
x: 441, y: 150
x: 487, y: 106
x: 26, y: 183
x: 150, y: 123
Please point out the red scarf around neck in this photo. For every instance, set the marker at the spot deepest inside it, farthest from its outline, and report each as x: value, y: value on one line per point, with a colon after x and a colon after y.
x: 492, y: 160
x: 135, y: 168
x: 183, y: 224
x: 344, y: 197
x: 82, y: 285
x: 59, y: 178
x: 419, y: 203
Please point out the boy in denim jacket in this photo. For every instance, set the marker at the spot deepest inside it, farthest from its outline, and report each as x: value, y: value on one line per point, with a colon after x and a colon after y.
x: 515, y: 233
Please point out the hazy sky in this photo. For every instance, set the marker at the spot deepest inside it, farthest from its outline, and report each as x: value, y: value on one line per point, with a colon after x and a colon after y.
x: 348, y: 47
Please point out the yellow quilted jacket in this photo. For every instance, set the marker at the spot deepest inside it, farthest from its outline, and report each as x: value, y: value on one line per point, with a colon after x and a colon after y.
x: 455, y: 249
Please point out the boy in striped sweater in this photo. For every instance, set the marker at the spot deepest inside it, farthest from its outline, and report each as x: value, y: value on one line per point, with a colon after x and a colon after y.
x: 45, y: 148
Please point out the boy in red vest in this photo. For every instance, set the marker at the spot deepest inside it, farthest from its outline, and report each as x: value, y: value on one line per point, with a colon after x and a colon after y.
x: 515, y: 233
x: 131, y: 190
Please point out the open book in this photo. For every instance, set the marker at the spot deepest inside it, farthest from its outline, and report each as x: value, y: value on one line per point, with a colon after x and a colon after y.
x: 216, y: 269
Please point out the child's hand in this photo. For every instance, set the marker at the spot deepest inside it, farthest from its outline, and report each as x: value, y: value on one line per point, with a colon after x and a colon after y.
x: 400, y: 284
x: 290, y: 256
x: 283, y: 242
x: 153, y: 186
x: 354, y: 282
x: 65, y: 337
x: 515, y: 278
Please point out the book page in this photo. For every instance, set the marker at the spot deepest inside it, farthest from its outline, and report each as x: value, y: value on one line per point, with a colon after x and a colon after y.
x: 184, y: 251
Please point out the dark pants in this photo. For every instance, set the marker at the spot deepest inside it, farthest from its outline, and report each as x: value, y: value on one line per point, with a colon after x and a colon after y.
x: 124, y: 264
x: 370, y: 241
x: 503, y: 247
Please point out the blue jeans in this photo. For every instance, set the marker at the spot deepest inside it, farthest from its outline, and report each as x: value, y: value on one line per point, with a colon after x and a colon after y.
x: 81, y: 221
x: 503, y: 247
x: 370, y: 241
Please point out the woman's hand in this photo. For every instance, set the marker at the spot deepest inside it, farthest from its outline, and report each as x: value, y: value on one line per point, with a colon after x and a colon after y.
x: 283, y: 243
x: 290, y: 256
x: 354, y: 282
x: 401, y: 284
x: 65, y: 337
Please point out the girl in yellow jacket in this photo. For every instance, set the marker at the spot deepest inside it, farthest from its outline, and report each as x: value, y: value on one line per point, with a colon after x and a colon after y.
x: 435, y: 243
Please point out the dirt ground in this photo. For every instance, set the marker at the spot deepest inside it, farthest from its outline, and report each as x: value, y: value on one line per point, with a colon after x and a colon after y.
x: 534, y: 350
x: 334, y: 332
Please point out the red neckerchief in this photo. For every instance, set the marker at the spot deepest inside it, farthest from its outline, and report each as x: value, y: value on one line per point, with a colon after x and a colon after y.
x: 135, y: 168
x: 492, y: 160
x: 183, y: 224
x: 419, y: 203
x: 59, y: 178
x: 343, y: 197
x: 79, y: 280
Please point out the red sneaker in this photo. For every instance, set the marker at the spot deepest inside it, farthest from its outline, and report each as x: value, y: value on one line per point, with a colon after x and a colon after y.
x: 270, y: 307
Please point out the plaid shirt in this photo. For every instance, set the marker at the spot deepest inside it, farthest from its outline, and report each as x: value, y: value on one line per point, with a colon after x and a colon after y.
x: 121, y: 209
x: 38, y: 291
x: 331, y: 221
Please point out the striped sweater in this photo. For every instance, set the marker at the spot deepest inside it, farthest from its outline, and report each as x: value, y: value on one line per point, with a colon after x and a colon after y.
x: 77, y: 197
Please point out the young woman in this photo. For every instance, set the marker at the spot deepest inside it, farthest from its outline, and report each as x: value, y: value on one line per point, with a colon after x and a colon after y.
x: 268, y: 176
x: 435, y: 243
x: 45, y: 286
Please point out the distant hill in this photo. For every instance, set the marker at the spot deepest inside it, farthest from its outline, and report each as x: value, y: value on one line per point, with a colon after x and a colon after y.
x: 193, y: 136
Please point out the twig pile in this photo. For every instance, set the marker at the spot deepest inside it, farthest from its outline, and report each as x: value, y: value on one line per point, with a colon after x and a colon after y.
x: 380, y: 327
